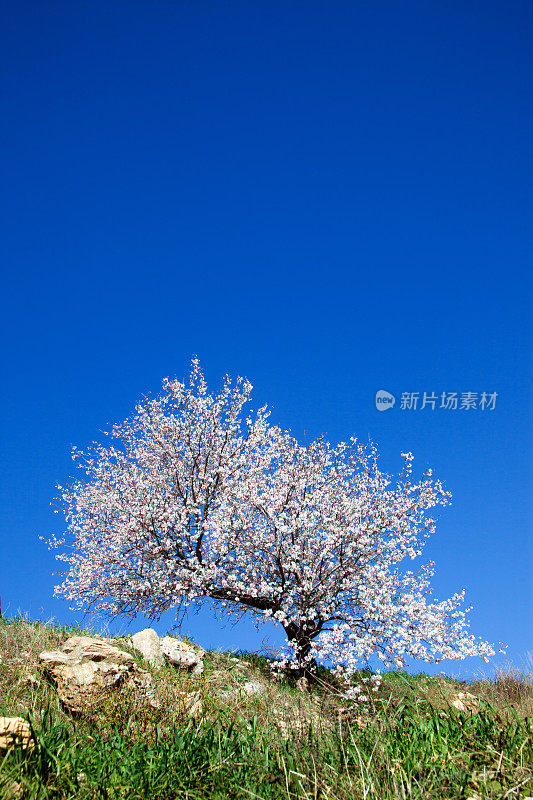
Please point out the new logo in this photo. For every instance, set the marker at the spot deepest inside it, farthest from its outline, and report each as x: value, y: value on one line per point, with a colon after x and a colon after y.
x: 384, y: 400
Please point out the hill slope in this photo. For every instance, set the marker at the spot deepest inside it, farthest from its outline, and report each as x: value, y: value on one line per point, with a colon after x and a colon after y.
x: 257, y: 736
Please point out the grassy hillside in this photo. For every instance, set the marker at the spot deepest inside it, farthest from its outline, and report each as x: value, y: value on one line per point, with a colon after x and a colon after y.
x: 405, y: 741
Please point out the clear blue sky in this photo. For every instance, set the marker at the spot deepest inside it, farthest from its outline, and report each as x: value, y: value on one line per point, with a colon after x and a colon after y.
x: 329, y: 198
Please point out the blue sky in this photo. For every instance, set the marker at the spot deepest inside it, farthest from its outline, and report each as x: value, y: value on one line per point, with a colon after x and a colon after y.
x: 329, y: 198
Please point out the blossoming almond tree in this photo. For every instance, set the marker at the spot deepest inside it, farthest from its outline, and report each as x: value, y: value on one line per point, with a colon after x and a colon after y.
x: 198, y: 502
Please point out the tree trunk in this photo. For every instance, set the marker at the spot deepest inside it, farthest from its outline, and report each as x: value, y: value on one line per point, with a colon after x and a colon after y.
x: 300, y: 638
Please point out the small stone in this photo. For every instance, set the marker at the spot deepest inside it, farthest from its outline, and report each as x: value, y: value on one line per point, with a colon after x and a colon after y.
x: 15, y: 731
x: 193, y: 703
x: 11, y: 790
x: 253, y: 687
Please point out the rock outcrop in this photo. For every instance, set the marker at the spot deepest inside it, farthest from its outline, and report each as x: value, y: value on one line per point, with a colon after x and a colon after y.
x: 85, y: 666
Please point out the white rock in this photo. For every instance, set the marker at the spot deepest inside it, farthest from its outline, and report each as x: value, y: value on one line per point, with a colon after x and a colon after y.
x: 193, y: 703
x: 253, y: 687
x: 15, y: 731
x: 194, y: 648
x: 147, y: 643
x: 182, y: 655
x: 85, y: 666
x: 464, y: 701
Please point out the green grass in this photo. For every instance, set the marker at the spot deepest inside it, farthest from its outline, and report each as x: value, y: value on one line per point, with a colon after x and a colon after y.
x: 405, y: 743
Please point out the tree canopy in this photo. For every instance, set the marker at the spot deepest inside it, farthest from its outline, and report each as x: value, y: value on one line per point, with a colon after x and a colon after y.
x: 194, y: 500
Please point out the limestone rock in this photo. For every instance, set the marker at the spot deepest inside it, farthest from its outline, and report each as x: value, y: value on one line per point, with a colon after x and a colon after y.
x: 147, y: 643
x: 183, y: 655
x: 15, y: 731
x: 11, y: 790
x: 464, y: 701
x: 253, y: 687
x: 189, y: 646
x: 85, y: 666
x: 249, y: 688
x: 193, y: 703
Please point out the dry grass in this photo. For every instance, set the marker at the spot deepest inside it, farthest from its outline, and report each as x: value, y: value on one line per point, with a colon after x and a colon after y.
x: 510, y: 691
